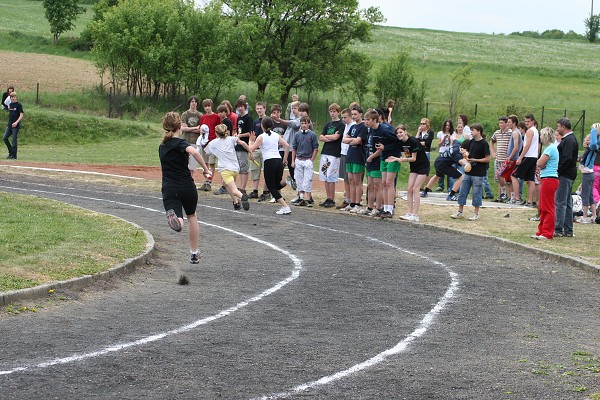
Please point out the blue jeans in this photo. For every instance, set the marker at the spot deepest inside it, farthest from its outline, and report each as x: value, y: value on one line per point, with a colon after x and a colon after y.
x: 12, y: 148
x: 475, y: 182
x: 564, y: 206
x: 487, y: 187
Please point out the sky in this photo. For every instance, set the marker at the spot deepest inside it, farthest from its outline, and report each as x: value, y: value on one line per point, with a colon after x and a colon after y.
x: 486, y: 16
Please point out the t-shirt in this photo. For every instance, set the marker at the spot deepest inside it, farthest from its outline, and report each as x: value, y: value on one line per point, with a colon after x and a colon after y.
x: 305, y: 142
x: 551, y: 169
x: 446, y: 139
x: 244, y: 125
x: 14, y: 110
x: 211, y: 121
x: 174, y: 163
x: 501, y: 140
x: 279, y: 129
x: 192, y: 120
x: 413, y: 145
x: 357, y: 153
x: 333, y: 148
x: 257, y: 126
x: 224, y: 149
x: 228, y: 124
x: 478, y: 149
x: 346, y: 146
x: 385, y: 135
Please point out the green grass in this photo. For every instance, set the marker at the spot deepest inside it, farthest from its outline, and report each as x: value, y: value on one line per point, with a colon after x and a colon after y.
x: 44, y: 240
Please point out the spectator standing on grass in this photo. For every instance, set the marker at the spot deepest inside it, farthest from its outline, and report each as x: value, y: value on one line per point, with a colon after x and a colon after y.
x: 15, y: 115
x: 389, y: 145
x: 515, y: 145
x: 348, y: 124
x: 373, y: 165
x: 413, y: 153
x: 292, y: 126
x: 178, y: 188
x: 586, y: 166
x: 6, y: 97
x: 231, y: 115
x: 499, y: 149
x: 211, y: 120
x: 190, y: 127
x: 329, y: 163
x: 449, y: 163
x: 526, y: 162
x: 257, y: 163
x: 244, y: 127
x: 304, y: 151
x: 356, y: 138
x: 567, y: 173
x: 479, y: 158
x: 270, y: 142
x: 288, y: 109
x: 444, y: 138
x: 548, y: 165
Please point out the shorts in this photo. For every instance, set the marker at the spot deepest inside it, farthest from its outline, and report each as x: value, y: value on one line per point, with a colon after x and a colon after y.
x: 176, y: 198
x: 329, y: 168
x: 497, y: 166
x: 374, y: 173
x: 209, y: 160
x: 355, y: 168
x: 393, y: 167
x: 526, y: 170
x: 444, y: 166
x: 343, y: 172
x: 242, y: 157
x: 228, y: 176
x: 255, y: 169
x: 506, y: 169
x: 419, y: 169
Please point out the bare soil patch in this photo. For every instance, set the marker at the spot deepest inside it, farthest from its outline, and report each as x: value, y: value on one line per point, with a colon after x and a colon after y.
x: 54, y: 73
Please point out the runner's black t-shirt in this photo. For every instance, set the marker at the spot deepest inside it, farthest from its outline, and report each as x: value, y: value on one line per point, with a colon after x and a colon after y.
x: 174, y: 163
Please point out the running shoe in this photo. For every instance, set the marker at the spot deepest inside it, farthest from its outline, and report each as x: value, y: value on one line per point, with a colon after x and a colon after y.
x: 474, y: 217
x: 194, y: 259
x: 237, y: 206
x: 457, y: 215
x: 221, y: 190
x: 284, y: 211
x: 385, y: 214
x: 173, y: 220
x: 245, y: 203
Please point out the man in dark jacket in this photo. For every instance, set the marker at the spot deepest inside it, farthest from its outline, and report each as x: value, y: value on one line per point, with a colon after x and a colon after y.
x: 567, y: 172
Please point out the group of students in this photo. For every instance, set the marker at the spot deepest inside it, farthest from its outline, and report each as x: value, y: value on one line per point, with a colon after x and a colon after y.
x: 355, y: 144
x: 10, y: 103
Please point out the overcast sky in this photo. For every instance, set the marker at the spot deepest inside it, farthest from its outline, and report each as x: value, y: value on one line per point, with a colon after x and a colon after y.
x: 486, y: 16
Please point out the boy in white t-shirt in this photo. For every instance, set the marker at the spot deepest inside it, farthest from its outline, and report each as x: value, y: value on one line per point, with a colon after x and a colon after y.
x: 223, y: 147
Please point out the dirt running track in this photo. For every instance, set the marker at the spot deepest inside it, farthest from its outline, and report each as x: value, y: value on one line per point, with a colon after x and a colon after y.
x: 281, y: 304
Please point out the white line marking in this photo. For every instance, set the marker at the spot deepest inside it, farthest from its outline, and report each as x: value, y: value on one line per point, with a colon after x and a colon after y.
x: 118, y: 347
x: 72, y: 171
x: 400, y: 347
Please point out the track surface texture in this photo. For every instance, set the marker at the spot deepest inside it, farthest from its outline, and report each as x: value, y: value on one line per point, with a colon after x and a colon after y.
x: 308, y: 305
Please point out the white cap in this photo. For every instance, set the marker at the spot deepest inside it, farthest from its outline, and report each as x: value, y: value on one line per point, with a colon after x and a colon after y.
x: 204, y: 128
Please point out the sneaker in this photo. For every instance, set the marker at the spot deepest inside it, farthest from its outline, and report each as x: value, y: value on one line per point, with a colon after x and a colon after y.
x: 474, y: 217
x: 457, y: 215
x: 221, y: 190
x: 587, y: 220
x: 245, y: 203
x: 294, y: 185
x: 355, y: 209
x: 569, y: 234
x: 423, y: 193
x: 530, y: 205
x: 347, y: 208
x: 194, y: 259
x: 439, y: 189
x: 522, y: 202
x: 374, y: 213
x: 534, y: 236
x: 284, y: 211
x: 559, y: 234
x: 364, y: 211
x: 173, y: 220
x: 273, y: 200
x: 264, y: 197
x: 295, y: 200
x: 385, y: 214
x: 513, y: 201
x: 300, y: 203
x: 489, y: 197
x: 452, y: 198
x: 329, y: 204
x: 206, y: 187
x: 343, y: 205
x: 253, y: 194
x: 237, y: 206
x: 309, y: 203
x: 406, y: 217
x: 533, y: 218
x: 503, y: 198
x: 542, y: 237
x: 415, y: 218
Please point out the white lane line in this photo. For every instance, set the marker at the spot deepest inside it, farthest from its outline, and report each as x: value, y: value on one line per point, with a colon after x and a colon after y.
x: 118, y: 347
x: 72, y: 171
x: 401, y: 346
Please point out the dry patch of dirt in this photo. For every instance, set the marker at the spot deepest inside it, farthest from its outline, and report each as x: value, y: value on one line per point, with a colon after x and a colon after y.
x: 54, y: 73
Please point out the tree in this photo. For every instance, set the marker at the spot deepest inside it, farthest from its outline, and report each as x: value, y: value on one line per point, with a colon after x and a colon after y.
x: 291, y: 45
x: 460, y: 83
x: 61, y: 14
x: 592, y: 27
x: 396, y: 81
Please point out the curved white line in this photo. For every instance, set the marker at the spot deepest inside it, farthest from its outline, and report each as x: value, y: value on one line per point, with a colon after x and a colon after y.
x: 72, y: 171
x: 79, y: 357
x: 400, y: 347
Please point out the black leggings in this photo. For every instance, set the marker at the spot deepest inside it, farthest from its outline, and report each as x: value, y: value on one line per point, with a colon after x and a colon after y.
x: 273, y: 175
x: 177, y: 197
x: 289, y: 162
